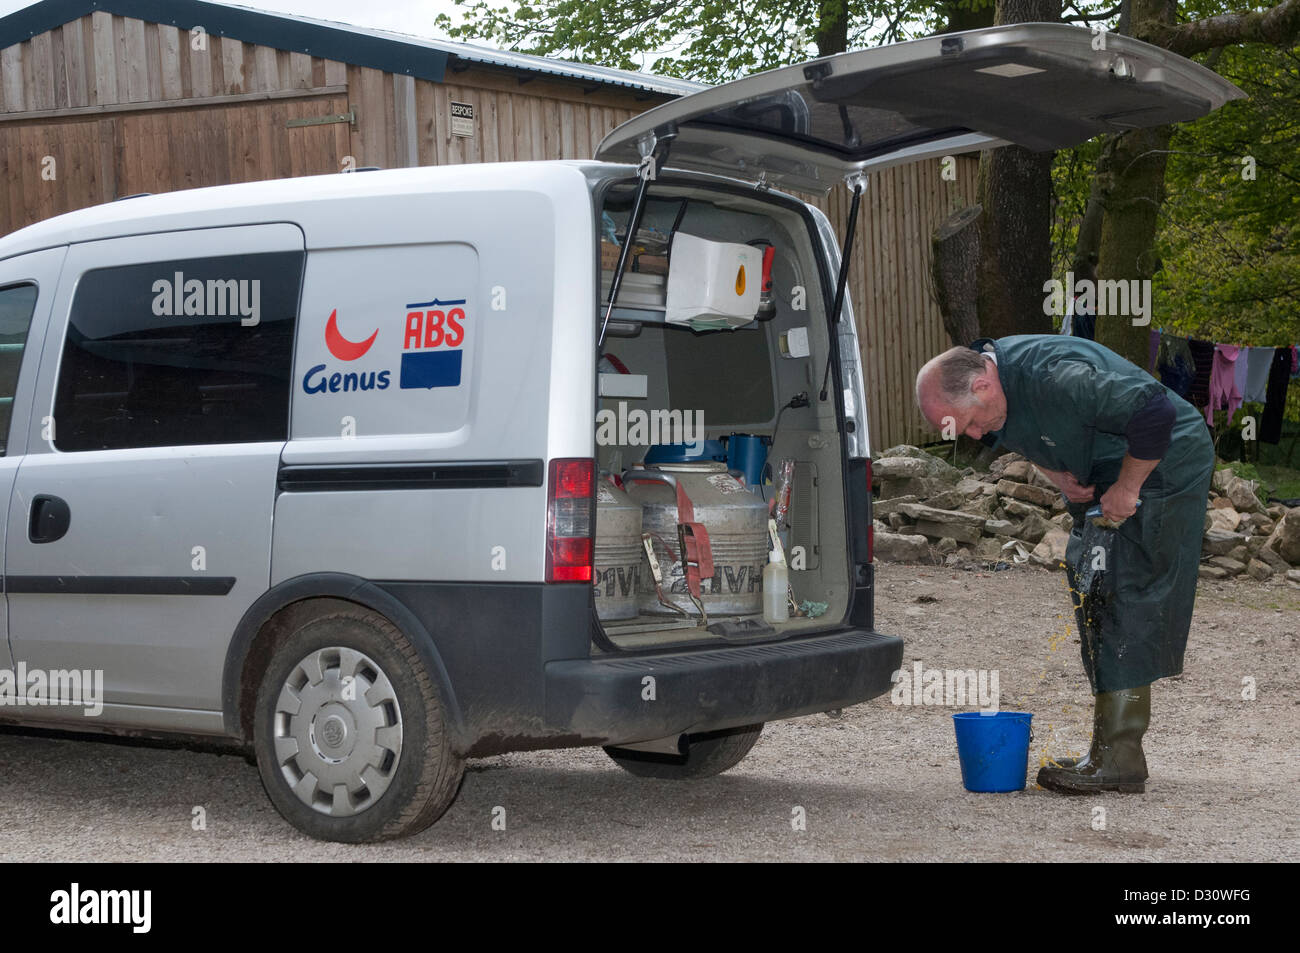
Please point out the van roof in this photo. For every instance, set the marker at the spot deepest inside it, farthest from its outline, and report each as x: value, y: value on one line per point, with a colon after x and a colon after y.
x: 273, y: 200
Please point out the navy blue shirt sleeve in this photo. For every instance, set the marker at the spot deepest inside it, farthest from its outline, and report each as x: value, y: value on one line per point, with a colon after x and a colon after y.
x: 1151, y: 428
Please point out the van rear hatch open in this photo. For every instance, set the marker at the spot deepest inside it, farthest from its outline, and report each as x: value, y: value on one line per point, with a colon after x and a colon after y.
x: 1039, y: 85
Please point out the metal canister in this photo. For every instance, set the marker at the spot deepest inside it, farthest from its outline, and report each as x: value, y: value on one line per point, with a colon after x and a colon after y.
x: 618, y: 554
x: 736, y: 521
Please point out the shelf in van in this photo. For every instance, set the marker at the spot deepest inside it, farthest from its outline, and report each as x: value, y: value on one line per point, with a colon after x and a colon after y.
x: 638, y: 291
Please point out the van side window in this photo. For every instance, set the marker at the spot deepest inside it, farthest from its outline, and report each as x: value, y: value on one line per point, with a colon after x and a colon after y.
x: 177, y: 353
x: 17, y: 303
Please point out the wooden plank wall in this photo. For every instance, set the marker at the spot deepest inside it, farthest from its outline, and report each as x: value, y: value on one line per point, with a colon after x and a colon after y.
x: 52, y: 166
x: 899, y: 325
x: 106, y: 60
x: 513, y: 121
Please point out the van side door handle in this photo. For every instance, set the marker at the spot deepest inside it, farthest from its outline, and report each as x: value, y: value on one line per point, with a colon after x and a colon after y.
x: 50, y: 519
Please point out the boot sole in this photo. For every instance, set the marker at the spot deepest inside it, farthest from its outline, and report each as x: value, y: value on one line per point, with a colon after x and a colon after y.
x: 1072, y: 787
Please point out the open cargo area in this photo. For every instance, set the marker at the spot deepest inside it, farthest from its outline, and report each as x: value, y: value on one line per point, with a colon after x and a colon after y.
x: 716, y: 407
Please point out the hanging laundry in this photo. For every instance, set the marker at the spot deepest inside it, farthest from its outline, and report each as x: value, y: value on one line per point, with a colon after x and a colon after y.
x: 1258, y: 362
x: 1175, y: 365
x: 1223, y: 382
x: 1239, y: 371
x: 1203, y: 359
x: 1270, y: 427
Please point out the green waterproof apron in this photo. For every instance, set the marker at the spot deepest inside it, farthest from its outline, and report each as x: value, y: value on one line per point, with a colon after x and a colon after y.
x: 1069, y: 401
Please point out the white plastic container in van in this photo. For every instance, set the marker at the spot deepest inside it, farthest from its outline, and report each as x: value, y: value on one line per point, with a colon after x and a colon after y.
x: 325, y: 466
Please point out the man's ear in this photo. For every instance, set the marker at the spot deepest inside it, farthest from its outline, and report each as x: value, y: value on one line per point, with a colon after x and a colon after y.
x: 979, y: 386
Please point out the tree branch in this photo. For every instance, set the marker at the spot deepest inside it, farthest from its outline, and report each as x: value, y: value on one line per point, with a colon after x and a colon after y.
x: 1277, y: 26
x: 1089, y: 17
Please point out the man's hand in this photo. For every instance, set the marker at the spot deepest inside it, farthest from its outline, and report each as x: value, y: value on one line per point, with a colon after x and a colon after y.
x: 1074, y: 491
x: 1119, y: 503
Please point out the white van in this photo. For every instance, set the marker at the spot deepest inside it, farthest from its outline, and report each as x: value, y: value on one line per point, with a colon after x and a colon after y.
x: 311, y: 465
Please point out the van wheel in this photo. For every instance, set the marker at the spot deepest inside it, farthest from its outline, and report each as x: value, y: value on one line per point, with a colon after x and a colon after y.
x: 706, y: 755
x: 350, y: 732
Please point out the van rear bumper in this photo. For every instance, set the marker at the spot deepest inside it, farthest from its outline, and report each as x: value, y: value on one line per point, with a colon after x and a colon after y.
x: 605, y: 700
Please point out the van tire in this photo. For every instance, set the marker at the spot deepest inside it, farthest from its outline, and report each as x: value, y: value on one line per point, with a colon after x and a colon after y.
x: 707, y: 754
x: 419, y: 780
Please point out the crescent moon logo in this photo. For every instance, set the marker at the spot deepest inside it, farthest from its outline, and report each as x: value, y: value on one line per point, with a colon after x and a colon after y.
x: 340, y: 346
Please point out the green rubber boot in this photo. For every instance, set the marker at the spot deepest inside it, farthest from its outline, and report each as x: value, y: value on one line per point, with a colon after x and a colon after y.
x: 1114, y: 761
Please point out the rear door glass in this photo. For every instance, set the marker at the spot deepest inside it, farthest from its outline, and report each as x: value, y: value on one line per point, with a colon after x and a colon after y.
x: 17, y: 303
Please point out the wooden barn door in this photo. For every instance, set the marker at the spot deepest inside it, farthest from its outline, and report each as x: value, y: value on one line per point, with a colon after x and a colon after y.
x: 166, y: 150
x: 47, y: 168
x: 55, y: 166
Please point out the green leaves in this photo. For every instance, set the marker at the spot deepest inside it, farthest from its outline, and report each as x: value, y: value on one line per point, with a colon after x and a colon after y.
x: 1230, y: 239
x: 711, y: 41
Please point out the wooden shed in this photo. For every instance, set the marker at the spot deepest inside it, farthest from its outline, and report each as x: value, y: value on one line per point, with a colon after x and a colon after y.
x: 101, y: 99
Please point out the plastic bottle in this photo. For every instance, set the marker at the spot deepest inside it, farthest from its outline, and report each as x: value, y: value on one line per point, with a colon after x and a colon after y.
x: 776, y: 583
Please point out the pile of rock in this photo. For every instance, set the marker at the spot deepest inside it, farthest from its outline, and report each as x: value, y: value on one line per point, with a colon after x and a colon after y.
x: 1242, y: 535
x: 928, y: 511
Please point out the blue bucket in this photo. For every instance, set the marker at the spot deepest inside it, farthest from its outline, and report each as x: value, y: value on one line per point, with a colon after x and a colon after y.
x: 994, y: 749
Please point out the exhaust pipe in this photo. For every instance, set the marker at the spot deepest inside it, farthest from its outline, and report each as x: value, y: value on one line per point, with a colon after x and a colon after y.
x: 673, y: 745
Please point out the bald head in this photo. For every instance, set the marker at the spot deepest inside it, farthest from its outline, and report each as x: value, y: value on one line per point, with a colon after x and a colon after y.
x: 960, y: 389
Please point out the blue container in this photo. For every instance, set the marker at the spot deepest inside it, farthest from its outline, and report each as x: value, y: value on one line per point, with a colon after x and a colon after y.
x: 682, y: 453
x: 994, y: 749
x: 747, y: 453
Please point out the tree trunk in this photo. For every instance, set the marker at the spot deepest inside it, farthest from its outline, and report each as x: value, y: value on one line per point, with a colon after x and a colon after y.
x: 1131, y: 175
x: 1015, y: 190
x: 832, y: 34
x: 954, y: 267
x: 1129, y: 187
x: 957, y: 17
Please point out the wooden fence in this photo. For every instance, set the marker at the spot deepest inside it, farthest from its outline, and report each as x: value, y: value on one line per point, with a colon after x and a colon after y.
x: 899, y: 325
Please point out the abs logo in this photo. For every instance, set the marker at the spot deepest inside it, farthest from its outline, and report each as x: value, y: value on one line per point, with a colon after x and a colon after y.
x: 431, y: 354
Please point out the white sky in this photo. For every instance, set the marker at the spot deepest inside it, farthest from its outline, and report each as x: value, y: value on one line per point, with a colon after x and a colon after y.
x: 405, y: 16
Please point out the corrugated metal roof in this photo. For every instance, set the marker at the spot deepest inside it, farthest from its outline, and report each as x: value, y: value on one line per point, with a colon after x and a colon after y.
x: 602, y: 74
x: 473, y: 53
x: 407, y: 54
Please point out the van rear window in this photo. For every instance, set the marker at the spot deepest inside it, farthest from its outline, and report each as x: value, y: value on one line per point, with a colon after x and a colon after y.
x: 177, y: 353
x: 16, y: 306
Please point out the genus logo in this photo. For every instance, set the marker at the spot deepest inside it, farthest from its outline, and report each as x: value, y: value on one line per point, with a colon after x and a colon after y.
x: 340, y: 346
x: 318, y: 381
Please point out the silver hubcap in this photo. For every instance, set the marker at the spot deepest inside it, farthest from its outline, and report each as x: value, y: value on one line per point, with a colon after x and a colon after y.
x: 338, y: 731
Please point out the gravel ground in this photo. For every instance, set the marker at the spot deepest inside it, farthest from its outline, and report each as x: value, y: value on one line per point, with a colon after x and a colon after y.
x: 881, y: 782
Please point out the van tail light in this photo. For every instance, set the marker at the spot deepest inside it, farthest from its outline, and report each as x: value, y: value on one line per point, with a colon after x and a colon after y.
x: 570, y: 502
x: 871, y: 524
